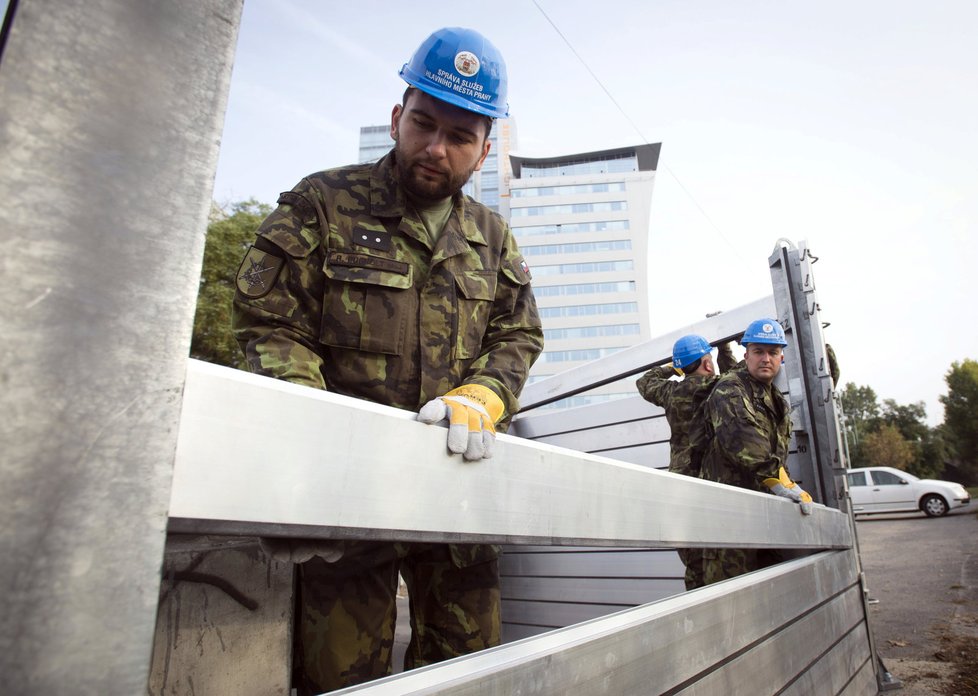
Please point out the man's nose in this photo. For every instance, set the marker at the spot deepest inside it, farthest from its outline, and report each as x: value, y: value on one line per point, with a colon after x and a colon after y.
x: 436, y: 145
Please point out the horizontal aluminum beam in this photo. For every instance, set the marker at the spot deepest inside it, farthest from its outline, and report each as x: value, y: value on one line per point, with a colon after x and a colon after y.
x: 262, y: 456
x: 752, y: 634
x: 641, y: 357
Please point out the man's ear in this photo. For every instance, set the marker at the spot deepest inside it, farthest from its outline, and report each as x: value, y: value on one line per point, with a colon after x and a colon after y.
x: 485, y: 152
x: 395, y: 119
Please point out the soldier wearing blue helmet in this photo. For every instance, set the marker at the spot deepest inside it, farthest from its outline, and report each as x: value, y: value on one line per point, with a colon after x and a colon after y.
x: 692, y: 358
x: 383, y: 282
x: 740, y: 437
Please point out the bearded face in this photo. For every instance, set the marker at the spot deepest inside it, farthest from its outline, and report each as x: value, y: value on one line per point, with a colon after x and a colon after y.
x: 437, y: 146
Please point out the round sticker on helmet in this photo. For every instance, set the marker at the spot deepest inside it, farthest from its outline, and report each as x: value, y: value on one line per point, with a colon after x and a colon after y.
x: 466, y: 63
x: 767, y: 328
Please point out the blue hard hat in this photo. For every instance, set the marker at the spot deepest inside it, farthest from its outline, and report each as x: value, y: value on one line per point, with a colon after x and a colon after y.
x: 764, y: 331
x: 688, y: 350
x: 461, y: 67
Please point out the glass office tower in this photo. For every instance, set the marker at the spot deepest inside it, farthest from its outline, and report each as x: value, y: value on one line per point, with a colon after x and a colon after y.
x: 582, y: 222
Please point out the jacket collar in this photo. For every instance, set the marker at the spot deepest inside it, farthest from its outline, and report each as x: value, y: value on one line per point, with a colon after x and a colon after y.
x: 387, y: 199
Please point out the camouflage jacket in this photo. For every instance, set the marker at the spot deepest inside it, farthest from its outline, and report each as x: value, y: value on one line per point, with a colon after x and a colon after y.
x: 343, y: 290
x: 741, y: 432
x: 680, y: 400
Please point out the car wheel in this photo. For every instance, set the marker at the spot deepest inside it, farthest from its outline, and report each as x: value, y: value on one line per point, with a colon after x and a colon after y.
x: 933, y: 506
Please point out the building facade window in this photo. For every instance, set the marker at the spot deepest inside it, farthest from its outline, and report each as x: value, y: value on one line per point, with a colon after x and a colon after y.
x: 591, y: 331
x: 570, y: 208
x: 587, y: 399
x: 580, y: 355
x: 592, y: 267
x: 584, y: 288
x: 577, y: 248
x: 569, y: 190
x: 588, y: 310
x: 601, y: 226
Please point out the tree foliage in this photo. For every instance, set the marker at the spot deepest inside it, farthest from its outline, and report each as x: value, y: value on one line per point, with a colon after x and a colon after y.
x: 228, y: 237
x: 866, y: 419
x: 961, y: 412
x: 862, y: 411
x: 887, y: 447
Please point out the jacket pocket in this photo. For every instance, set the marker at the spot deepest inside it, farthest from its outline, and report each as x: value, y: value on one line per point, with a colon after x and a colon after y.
x: 474, y: 298
x: 366, y: 303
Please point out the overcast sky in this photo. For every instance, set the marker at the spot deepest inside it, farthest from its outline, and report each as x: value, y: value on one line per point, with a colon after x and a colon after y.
x: 850, y: 125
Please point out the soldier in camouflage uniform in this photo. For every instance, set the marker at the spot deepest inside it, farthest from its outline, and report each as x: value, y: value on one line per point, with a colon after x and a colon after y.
x: 740, y: 437
x: 385, y: 283
x: 692, y: 358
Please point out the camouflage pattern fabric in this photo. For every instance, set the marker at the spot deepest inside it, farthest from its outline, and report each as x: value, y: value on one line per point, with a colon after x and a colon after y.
x: 344, y: 290
x: 679, y: 400
x: 721, y: 564
x: 740, y: 437
x: 833, y: 365
x: 454, y: 611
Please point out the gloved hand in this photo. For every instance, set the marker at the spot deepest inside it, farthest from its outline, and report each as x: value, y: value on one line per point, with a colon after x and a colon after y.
x: 786, y: 488
x: 472, y: 412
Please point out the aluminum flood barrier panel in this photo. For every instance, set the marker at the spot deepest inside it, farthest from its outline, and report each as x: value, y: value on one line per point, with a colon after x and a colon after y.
x: 324, y: 465
x: 794, y: 628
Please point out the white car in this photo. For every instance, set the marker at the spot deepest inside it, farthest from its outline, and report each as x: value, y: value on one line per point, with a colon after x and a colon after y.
x: 877, y: 489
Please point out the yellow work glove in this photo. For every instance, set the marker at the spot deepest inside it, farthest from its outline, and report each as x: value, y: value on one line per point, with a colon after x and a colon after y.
x: 786, y: 488
x: 472, y: 412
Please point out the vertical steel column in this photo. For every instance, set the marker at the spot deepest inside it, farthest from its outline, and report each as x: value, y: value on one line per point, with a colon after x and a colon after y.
x: 110, y: 120
x: 820, y: 456
x: 820, y: 461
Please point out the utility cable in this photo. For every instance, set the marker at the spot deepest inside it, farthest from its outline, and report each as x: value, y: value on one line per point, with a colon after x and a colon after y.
x: 639, y: 132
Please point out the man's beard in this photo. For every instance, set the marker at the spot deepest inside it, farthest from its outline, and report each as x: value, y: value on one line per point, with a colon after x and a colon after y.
x: 424, y: 185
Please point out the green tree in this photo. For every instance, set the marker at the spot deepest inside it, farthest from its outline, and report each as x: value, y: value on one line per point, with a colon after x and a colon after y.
x: 929, y: 451
x: 862, y: 413
x: 887, y: 447
x: 961, y: 413
x: 228, y: 237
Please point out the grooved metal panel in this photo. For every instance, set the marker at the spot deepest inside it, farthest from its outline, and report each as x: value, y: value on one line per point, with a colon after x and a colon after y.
x: 638, y: 358
x: 110, y: 119
x: 239, y: 475
x: 769, y: 665
x: 635, y: 563
x: 556, y: 614
x: 659, y: 646
x: 636, y: 428
x: 846, y: 667
x: 543, y: 422
x: 629, y: 592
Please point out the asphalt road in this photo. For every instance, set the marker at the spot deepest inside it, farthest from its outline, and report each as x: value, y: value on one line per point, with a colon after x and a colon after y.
x: 924, y: 573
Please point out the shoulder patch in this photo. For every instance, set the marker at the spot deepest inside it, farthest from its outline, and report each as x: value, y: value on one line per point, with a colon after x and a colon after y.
x: 304, y: 209
x: 258, y: 273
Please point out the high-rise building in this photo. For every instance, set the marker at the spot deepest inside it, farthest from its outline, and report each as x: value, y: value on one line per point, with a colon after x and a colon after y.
x: 488, y: 185
x: 582, y: 223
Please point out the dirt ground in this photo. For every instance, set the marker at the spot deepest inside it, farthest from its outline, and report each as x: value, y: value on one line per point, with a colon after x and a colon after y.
x: 922, y: 576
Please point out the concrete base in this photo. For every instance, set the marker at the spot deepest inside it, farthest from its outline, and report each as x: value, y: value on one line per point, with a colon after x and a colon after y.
x: 224, y: 624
